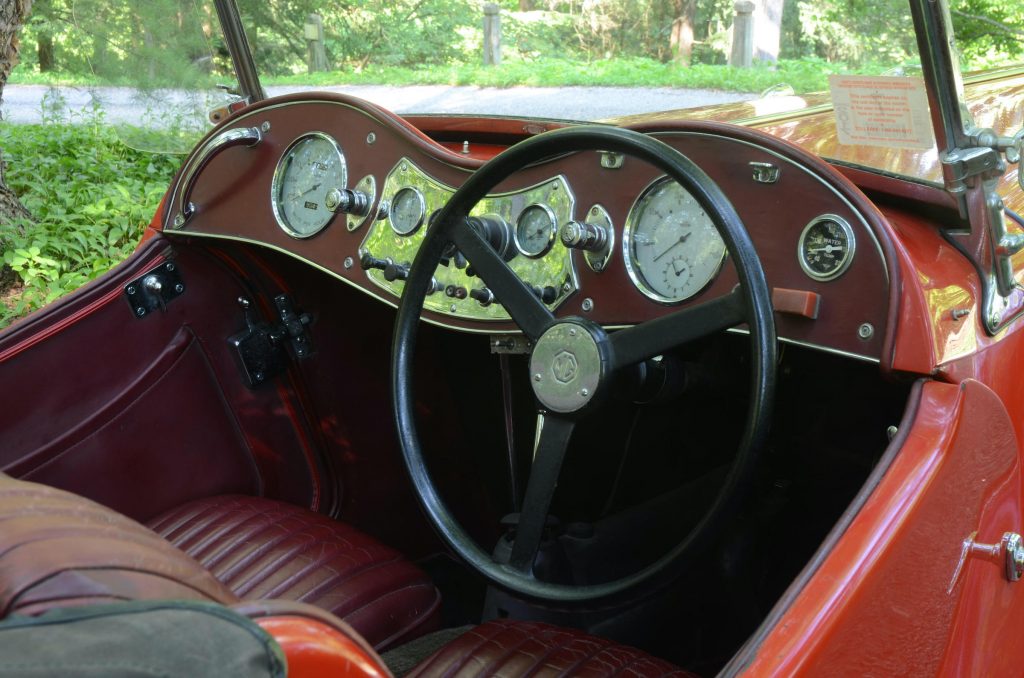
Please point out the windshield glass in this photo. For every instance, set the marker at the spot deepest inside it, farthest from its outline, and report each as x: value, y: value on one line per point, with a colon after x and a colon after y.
x: 153, y: 68
x: 605, y: 59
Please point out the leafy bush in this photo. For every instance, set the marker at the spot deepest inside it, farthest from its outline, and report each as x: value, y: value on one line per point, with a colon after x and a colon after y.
x: 91, y: 197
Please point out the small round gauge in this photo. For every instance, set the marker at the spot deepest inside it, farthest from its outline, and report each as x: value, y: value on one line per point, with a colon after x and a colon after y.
x: 309, y: 168
x: 672, y: 249
x: 408, y: 208
x: 535, y: 230
x: 826, y: 247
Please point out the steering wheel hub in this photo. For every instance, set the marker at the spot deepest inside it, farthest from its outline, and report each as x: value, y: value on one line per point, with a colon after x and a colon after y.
x: 567, y: 366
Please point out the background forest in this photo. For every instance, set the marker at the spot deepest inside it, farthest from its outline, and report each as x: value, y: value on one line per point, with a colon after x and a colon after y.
x: 398, y: 41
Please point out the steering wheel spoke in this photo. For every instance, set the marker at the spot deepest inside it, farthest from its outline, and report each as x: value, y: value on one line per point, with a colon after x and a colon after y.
x: 634, y: 344
x: 526, y: 310
x: 552, y: 441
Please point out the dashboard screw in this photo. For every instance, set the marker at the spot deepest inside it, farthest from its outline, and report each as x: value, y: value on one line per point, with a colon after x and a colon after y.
x: 537, y: 377
x: 866, y: 331
x: 584, y: 392
x: 131, y: 289
x: 179, y: 288
x: 265, y: 126
x: 567, y: 286
x: 349, y: 261
x: 587, y: 305
x: 371, y: 137
x: 140, y: 311
x: 179, y: 221
x: 170, y: 266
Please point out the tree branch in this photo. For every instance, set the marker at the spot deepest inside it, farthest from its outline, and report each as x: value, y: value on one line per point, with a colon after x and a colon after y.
x: 1012, y: 30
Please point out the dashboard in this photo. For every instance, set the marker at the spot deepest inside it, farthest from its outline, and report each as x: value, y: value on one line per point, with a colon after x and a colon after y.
x: 350, y: 189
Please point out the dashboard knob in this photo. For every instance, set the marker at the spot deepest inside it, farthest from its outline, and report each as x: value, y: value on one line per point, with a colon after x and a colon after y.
x: 395, y: 271
x: 348, y: 201
x: 580, y: 235
x: 368, y: 261
x: 546, y: 294
x: 483, y: 295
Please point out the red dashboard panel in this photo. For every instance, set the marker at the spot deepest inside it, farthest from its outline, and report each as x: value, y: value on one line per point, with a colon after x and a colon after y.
x: 232, y: 198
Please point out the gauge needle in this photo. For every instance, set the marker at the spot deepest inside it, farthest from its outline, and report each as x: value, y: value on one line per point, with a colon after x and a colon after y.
x: 827, y: 249
x: 668, y: 249
x: 677, y: 266
x: 308, y: 190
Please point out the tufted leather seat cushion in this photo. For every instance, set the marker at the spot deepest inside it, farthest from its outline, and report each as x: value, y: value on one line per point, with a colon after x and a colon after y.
x: 260, y: 548
x: 60, y: 550
x: 508, y: 648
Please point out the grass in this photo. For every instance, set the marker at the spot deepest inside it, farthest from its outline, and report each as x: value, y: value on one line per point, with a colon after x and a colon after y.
x: 803, y: 75
x: 91, y: 197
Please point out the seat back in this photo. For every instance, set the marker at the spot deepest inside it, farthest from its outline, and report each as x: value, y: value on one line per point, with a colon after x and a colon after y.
x: 59, y: 550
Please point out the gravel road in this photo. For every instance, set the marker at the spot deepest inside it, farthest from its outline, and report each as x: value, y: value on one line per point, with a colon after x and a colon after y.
x: 25, y: 103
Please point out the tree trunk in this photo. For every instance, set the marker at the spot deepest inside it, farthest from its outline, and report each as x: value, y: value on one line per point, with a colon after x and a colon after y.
x: 44, y: 51
x: 12, y: 16
x: 681, y: 38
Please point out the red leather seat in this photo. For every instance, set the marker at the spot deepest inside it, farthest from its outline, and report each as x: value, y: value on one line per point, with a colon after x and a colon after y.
x: 509, y: 648
x: 261, y: 548
x: 59, y: 550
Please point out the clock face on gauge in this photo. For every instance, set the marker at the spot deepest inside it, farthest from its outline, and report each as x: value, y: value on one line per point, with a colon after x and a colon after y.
x: 826, y: 247
x: 672, y: 248
x: 535, y: 230
x: 312, y: 166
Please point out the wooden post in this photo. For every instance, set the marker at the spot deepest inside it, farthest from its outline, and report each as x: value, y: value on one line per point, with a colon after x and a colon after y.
x: 492, y: 34
x: 313, y: 32
x: 742, y: 53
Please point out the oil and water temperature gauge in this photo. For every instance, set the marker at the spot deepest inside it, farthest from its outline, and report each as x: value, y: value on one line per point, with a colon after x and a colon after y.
x: 826, y: 247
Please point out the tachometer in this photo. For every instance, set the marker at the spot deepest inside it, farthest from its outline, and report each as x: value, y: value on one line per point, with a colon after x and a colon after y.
x: 308, y: 169
x: 672, y: 249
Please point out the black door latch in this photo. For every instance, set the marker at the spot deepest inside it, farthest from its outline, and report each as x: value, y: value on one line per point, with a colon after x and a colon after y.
x: 261, y: 347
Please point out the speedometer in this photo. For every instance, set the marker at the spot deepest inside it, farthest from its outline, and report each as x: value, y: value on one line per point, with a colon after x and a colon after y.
x: 308, y: 169
x: 672, y: 249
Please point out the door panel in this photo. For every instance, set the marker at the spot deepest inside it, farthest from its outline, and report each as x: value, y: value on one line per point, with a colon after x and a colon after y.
x: 142, y: 414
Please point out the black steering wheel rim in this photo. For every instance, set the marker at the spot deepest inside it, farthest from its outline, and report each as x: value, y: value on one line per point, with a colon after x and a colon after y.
x: 757, y: 311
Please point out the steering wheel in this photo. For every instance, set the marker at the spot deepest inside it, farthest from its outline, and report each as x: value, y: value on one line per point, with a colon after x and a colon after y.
x: 596, y: 356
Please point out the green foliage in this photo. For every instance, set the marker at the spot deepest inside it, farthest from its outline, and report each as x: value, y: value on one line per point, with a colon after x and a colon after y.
x: 91, y: 196
x: 804, y: 75
x: 153, y: 42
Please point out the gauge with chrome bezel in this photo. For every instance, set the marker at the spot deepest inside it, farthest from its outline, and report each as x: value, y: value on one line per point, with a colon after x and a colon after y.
x: 408, y: 210
x: 671, y: 248
x: 310, y: 167
x: 535, y: 230
x: 826, y: 247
